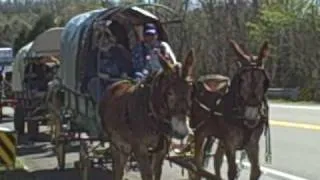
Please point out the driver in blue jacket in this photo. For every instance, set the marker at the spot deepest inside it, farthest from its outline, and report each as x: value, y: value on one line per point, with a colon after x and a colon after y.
x: 145, y: 54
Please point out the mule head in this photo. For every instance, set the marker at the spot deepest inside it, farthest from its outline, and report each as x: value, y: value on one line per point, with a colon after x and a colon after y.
x: 176, y: 91
x: 251, y: 82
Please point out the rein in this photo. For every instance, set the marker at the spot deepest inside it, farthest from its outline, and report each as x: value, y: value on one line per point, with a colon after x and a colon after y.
x: 238, y: 101
x: 161, y: 120
x: 157, y: 116
x: 208, y: 109
x: 211, y: 111
x: 154, y: 84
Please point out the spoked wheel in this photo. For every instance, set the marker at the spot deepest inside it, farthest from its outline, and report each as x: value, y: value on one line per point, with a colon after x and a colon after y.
x: 52, y: 124
x: 59, y: 144
x: 208, y: 151
x: 18, y: 119
x: 84, y: 162
x: 207, y: 148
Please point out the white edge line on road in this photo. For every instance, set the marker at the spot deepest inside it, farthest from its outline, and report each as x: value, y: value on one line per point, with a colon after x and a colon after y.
x: 288, y: 106
x: 26, y: 167
x: 275, y: 172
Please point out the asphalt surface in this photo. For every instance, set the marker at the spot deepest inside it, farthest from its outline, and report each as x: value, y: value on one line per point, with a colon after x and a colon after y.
x: 296, y: 151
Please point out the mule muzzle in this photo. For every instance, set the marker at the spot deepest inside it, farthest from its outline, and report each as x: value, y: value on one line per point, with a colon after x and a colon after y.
x: 179, y: 125
x: 252, y: 113
x: 252, y: 116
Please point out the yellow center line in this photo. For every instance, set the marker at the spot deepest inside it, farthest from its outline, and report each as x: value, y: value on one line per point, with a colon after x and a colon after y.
x: 295, y: 125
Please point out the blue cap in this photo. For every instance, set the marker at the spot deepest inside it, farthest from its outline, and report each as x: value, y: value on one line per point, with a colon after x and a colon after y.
x: 150, y: 29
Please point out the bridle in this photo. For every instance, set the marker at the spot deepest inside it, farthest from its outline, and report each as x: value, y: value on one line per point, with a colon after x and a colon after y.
x: 164, y: 113
x: 238, y: 101
x: 251, y: 69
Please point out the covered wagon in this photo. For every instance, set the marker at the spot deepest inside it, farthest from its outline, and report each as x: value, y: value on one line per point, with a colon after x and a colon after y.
x: 40, y: 54
x: 85, y: 45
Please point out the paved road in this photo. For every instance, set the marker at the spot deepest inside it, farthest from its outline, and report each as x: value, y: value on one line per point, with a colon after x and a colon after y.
x: 295, y: 145
x: 296, y: 113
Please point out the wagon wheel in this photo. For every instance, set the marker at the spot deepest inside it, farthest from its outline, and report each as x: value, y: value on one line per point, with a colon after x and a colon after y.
x: 52, y: 124
x: 207, y: 155
x: 208, y: 151
x: 60, y: 143
x: 84, y: 162
x: 18, y: 119
x: 56, y: 123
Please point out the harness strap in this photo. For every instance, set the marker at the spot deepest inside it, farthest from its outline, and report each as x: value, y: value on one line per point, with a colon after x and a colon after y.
x: 151, y: 106
x: 208, y: 109
x: 205, y: 107
x: 155, y: 115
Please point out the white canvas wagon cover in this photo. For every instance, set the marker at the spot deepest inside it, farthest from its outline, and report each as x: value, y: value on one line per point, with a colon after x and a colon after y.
x: 45, y: 44
x: 78, y: 34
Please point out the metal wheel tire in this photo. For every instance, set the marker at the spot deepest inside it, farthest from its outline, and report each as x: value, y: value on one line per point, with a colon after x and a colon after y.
x: 207, y: 151
x: 59, y: 146
x: 18, y: 119
x: 206, y: 158
x: 84, y: 162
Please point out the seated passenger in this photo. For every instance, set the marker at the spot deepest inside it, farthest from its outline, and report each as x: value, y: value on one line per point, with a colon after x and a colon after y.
x: 32, y: 76
x: 115, y: 65
x: 146, y: 53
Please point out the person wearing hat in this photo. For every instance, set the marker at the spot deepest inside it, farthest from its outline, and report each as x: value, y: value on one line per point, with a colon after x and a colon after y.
x: 146, y: 53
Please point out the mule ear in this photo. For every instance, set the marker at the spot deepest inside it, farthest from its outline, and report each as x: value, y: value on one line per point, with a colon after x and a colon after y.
x: 244, y: 58
x: 264, y: 52
x: 188, y: 62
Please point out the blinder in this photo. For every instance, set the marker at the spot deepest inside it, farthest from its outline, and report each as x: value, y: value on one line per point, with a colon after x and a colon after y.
x: 163, y: 113
x: 237, y: 78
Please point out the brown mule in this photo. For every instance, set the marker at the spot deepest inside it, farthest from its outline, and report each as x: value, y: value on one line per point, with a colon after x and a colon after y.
x: 236, y: 118
x: 139, y: 119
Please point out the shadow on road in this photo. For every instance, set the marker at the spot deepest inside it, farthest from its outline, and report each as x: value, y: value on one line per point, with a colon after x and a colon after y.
x: 38, y: 138
x: 69, y: 149
x: 32, y: 149
x: 39, y: 145
x: 94, y: 174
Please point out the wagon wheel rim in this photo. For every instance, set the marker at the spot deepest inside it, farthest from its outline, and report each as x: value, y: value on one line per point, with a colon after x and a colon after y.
x: 59, y: 146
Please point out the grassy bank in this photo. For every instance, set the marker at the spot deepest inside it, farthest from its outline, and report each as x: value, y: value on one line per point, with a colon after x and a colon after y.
x: 282, y: 101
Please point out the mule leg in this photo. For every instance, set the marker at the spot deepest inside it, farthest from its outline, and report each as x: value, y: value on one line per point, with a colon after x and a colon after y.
x: 143, y: 158
x: 218, y: 159
x: 253, y: 156
x: 231, y: 158
x: 157, y: 161
x: 119, y: 160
